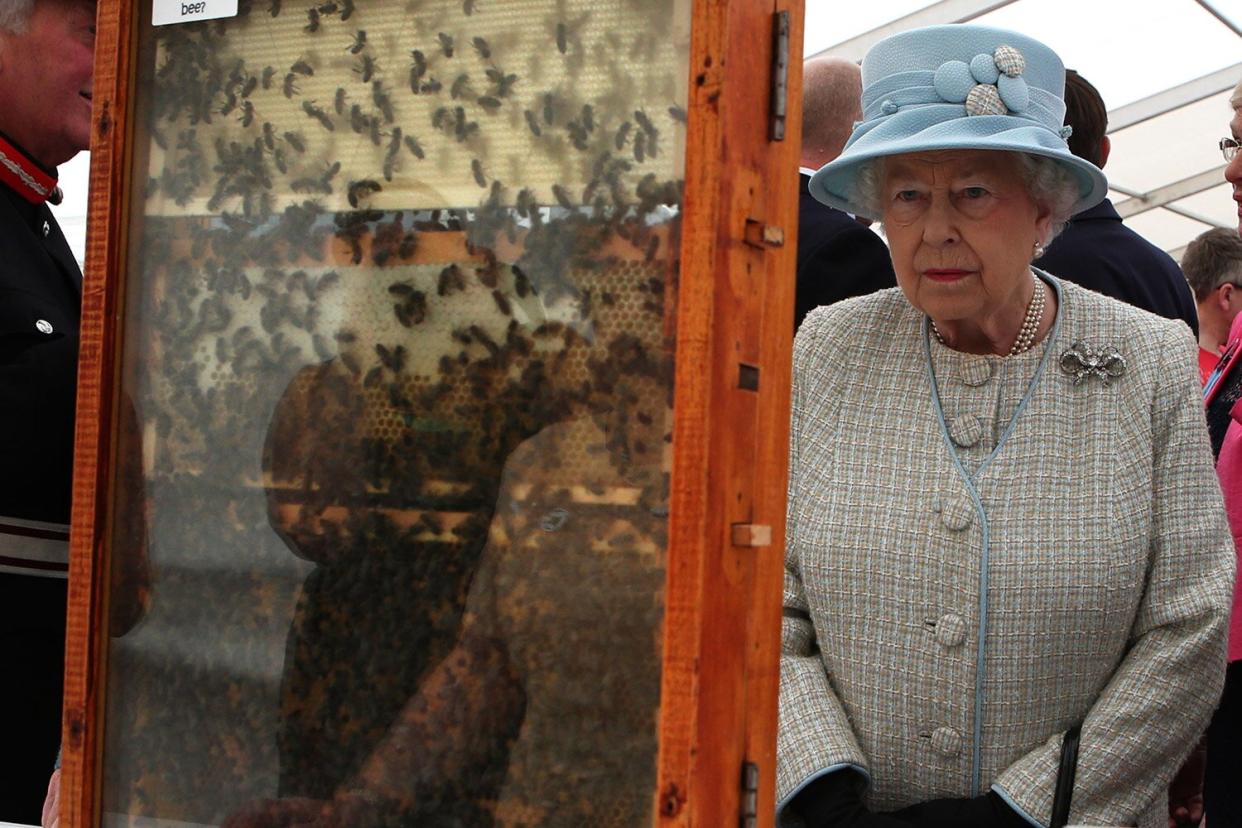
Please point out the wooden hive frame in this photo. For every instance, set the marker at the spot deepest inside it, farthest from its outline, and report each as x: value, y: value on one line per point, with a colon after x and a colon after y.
x: 734, y: 331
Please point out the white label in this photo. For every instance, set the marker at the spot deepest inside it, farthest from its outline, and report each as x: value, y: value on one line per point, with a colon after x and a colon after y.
x: 164, y: 12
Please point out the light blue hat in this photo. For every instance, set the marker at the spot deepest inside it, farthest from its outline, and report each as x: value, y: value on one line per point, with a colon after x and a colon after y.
x: 957, y: 87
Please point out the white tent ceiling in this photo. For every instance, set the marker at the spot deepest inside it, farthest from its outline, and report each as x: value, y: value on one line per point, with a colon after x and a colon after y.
x: 1165, y: 69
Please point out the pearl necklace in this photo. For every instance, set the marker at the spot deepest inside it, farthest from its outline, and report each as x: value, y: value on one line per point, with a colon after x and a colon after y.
x: 1030, y: 322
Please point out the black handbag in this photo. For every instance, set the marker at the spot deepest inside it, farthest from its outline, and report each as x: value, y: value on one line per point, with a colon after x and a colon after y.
x: 1064, y: 792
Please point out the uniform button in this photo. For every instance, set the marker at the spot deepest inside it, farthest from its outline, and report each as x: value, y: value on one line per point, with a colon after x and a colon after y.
x: 946, y: 741
x: 965, y: 430
x: 951, y: 630
x: 47, y: 228
x: 976, y: 372
x: 956, y: 513
x: 44, y: 326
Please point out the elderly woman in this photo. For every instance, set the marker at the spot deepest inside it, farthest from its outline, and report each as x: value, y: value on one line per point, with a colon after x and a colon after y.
x: 1003, y: 519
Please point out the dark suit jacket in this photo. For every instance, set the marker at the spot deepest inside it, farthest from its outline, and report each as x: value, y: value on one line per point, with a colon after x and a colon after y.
x: 837, y: 257
x: 1099, y: 252
x: 40, y: 301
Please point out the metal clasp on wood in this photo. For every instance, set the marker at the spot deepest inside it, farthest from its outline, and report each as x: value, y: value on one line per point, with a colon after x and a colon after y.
x: 751, y: 534
x: 780, y: 75
x: 750, y: 795
x: 758, y: 234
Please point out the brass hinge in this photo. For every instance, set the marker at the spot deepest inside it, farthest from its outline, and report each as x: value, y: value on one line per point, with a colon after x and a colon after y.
x: 780, y: 75
x: 750, y: 795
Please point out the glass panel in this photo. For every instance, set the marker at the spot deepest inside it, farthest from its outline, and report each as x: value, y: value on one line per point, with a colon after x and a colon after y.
x: 399, y: 336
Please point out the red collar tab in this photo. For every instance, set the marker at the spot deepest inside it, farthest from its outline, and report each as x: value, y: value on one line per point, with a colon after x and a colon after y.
x: 24, y: 175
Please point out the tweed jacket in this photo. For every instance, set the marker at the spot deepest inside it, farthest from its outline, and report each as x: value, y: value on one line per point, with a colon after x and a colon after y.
x: 982, y: 552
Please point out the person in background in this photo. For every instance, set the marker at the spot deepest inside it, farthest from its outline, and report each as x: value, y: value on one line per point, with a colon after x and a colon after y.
x: 1213, y: 267
x: 1006, y: 549
x: 1222, y: 793
x: 837, y: 255
x: 1097, y: 250
x: 46, y: 68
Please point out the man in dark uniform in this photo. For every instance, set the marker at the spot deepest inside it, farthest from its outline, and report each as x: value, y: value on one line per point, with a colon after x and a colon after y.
x: 46, y: 63
x: 837, y: 255
x: 1096, y: 250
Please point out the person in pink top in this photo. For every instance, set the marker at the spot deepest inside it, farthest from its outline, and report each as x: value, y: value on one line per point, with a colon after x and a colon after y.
x: 1222, y: 793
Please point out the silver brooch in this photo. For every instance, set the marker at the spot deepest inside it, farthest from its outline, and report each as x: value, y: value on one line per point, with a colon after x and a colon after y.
x: 1082, y: 361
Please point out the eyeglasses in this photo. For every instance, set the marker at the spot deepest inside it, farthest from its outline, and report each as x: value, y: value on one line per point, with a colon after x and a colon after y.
x: 1229, y: 148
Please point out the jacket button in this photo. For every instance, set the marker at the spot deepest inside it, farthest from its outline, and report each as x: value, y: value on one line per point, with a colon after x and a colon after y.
x: 44, y: 326
x: 47, y: 228
x: 951, y: 630
x: 956, y: 513
x: 976, y: 372
x: 946, y: 741
x: 965, y: 430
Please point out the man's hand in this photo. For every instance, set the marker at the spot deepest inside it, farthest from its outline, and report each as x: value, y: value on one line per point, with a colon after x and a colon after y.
x: 51, y: 804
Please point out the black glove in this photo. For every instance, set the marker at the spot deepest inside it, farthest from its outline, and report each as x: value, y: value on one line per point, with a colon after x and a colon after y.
x: 835, y: 800
x: 987, y: 811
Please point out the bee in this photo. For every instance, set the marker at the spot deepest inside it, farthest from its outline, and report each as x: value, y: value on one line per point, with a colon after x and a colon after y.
x: 290, y: 87
x: 273, y: 8
x: 358, y: 121
x: 269, y: 135
x: 419, y: 66
x: 525, y: 202
x: 653, y: 245
x: 393, y: 359
x: 269, y: 72
x: 312, y: 18
x: 547, y: 108
x: 489, y: 274
x: 446, y: 44
x: 489, y: 104
x: 677, y: 114
x: 415, y: 148
x: 623, y: 133
x: 366, y: 68
x: 562, y: 38
x: 502, y: 304
x: 338, y: 103
x: 249, y: 86
x: 301, y: 67
x: 347, y: 9
x: 468, y: 7
x: 521, y: 283
x: 439, y: 117
x: 390, y: 158
x: 480, y: 46
x: 476, y: 169
x: 645, y: 122
x: 360, y: 43
x: 533, y: 122
x: 319, y: 115
x: 431, y: 87
x: 247, y: 113
x: 278, y: 158
x: 458, y: 89
x: 450, y: 279
x: 640, y: 146
x: 504, y: 83
x: 382, y: 101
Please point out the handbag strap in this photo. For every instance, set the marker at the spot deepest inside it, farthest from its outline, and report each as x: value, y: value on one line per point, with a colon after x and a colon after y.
x: 1065, y: 777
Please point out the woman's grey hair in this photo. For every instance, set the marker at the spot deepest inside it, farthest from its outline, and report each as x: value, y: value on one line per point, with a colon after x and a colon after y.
x: 15, y: 15
x: 1049, y: 184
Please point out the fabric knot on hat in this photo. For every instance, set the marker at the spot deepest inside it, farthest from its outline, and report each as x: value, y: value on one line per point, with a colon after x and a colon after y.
x: 1065, y: 132
x: 988, y: 85
x: 888, y: 108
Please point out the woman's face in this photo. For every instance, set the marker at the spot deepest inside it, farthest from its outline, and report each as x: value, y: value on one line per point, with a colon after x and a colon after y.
x: 961, y: 228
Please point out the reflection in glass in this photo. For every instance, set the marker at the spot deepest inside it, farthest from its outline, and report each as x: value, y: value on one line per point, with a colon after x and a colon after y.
x: 400, y: 335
